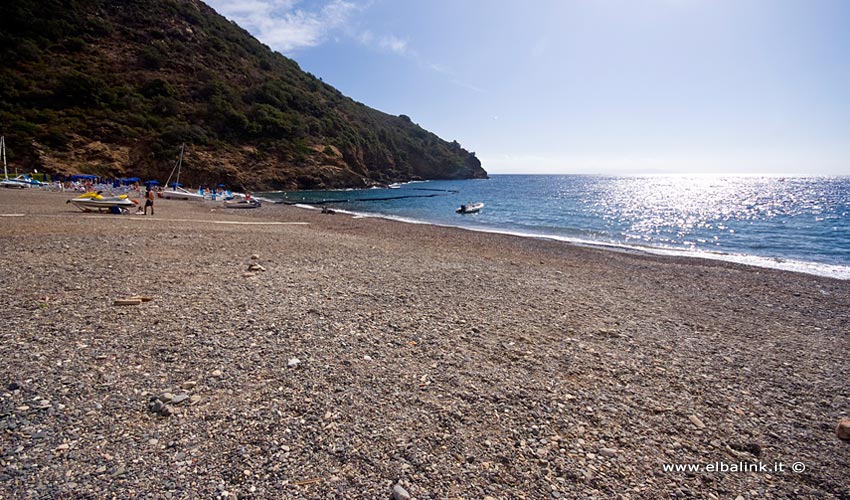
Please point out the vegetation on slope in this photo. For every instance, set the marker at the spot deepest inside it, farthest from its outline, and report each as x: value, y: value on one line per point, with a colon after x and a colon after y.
x: 113, y: 88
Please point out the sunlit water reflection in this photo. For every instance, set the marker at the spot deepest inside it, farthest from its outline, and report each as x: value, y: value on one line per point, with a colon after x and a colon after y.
x: 796, y: 222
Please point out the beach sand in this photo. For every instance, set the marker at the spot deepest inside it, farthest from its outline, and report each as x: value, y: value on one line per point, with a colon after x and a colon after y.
x: 371, y: 353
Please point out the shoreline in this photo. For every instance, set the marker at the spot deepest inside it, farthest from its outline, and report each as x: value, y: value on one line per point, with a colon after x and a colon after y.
x: 369, y: 353
x: 808, y: 268
x: 822, y: 269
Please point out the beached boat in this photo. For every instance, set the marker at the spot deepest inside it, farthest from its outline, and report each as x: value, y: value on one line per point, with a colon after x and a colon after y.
x: 175, y: 191
x: 178, y: 193
x: 244, y: 203
x: 470, y: 208
x: 20, y: 182
x: 88, y: 202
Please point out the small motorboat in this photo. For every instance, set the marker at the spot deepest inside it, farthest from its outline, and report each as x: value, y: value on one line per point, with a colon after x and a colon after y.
x: 96, y: 201
x: 470, y: 208
x: 244, y: 203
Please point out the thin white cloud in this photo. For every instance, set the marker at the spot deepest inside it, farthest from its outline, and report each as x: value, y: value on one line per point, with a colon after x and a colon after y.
x: 284, y: 26
x: 287, y: 27
x: 365, y: 37
x: 446, y: 71
x: 539, y: 48
x: 439, y: 68
x: 393, y: 44
x: 468, y: 86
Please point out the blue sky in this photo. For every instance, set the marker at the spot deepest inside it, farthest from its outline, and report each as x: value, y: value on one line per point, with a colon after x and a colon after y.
x: 589, y: 86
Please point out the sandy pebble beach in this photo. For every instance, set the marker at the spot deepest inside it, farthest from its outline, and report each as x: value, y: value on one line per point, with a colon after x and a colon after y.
x: 289, y: 354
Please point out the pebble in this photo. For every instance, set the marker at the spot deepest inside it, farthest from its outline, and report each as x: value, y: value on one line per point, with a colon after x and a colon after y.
x: 155, y: 405
x: 127, y: 302
x: 179, y: 398
x: 293, y: 362
x: 843, y: 429
x: 608, y: 452
x: 399, y: 493
x: 216, y: 373
x: 696, y: 421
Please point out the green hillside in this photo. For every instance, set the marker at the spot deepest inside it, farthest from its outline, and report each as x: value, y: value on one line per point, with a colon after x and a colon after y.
x: 114, y: 88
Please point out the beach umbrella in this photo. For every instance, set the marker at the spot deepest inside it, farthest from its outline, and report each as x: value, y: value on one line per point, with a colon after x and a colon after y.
x: 83, y: 177
x: 176, y: 185
x: 221, y: 185
x: 152, y: 182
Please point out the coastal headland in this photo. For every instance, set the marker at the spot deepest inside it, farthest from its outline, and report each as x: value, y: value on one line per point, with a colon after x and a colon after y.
x: 286, y: 353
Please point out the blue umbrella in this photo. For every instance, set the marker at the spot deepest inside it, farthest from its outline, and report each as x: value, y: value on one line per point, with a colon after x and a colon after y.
x: 153, y: 182
x: 176, y: 184
x: 221, y: 185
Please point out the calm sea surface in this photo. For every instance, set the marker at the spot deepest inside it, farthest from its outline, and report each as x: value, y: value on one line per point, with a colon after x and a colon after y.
x: 797, y: 223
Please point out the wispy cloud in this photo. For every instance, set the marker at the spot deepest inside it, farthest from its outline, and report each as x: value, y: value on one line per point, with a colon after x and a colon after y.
x: 284, y: 26
x: 386, y: 43
x: 393, y: 44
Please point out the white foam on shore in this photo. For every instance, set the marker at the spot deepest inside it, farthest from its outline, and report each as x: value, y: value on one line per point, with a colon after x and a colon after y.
x: 813, y: 268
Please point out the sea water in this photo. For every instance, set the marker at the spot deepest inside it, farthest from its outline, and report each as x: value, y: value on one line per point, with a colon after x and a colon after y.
x: 795, y: 223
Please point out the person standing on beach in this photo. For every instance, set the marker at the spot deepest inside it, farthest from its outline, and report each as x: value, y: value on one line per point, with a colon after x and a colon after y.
x: 149, y: 200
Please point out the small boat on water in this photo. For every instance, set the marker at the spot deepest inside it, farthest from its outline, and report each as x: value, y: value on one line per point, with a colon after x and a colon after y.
x: 243, y: 203
x: 88, y: 202
x: 470, y: 208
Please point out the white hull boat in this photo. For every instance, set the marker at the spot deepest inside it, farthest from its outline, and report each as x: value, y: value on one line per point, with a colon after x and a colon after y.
x: 14, y: 184
x: 19, y: 182
x: 175, y: 192
x: 179, y: 193
x: 252, y: 203
x: 470, y: 208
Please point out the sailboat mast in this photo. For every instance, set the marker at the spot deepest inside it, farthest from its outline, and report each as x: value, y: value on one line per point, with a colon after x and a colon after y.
x: 179, y: 164
x: 3, y: 151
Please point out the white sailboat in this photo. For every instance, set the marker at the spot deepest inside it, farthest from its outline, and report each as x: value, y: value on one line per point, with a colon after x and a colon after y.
x: 175, y: 191
x: 20, y: 182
